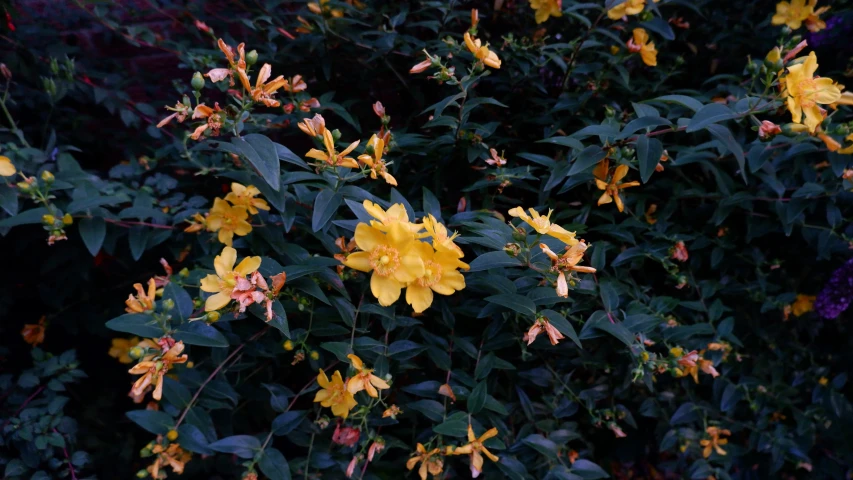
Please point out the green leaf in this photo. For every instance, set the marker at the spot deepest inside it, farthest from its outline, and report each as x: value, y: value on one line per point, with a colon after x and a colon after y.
x: 684, y: 100
x: 261, y: 153
x: 641, y: 123
x: 338, y: 349
x: 288, y: 421
x: 519, y: 303
x: 431, y: 204
x: 244, y: 446
x: 564, y: 141
x: 83, y: 204
x: 563, y: 325
x: 649, y: 151
x: 9, y: 199
x: 14, y: 468
x: 686, y: 413
x: 490, y: 260
x: 273, y: 464
x: 542, y: 445
x: 200, y: 333
x: 325, y: 206
x: 477, y: 399
x: 708, y: 115
x: 724, y: 135
x: 588, y: 470
x: 28, y: 217
x: 587, y: 159
x: 183, y: 302
x: 137, y: 324
x: 93, y: 231
x: 191, y: 438
x: 456, y: 425
x: 154, y: 421
x: 404, y: 350
x: 279, y: 316
x: 659, y: 26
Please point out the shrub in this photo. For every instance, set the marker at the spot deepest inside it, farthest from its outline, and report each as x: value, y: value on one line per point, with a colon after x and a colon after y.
x: 533, y: 239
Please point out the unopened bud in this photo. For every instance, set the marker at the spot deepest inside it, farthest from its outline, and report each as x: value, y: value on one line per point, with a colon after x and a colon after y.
x: 197, y: 81
x: 288, y: 345
x: 136, y: 352
x: 48, y: 219
x: 793, y: 129
x: 54, y: 66
x: 67, y: 219
x: 213, y: 317
x: 168, y: 304
x: 252, y: 57
x: 142, y: 473
x: 7, y: 74
x: 172, y: 435
x: 315, y: 355
x: 47, y: 176
x: 185, y: 272
x: 336, y: 134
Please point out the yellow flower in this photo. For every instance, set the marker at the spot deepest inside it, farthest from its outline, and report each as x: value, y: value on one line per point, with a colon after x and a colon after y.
x: 364, y: 379
x: 813, y: 22
x: 120, y: 349
x: 803, y: 304
x: 6, y: 167
x: 334, y: 394
x: 154, y: 369
x: 392, y: 257
x: 546, y: 9
x: 482, y: 52
x: 475, y: 449
x: 395, y: 215
x: 804, y: 92
x: 611, y: 188
x: 214, y: 120
x: 173, y: 456
x: 223, y: 283
x: 440, y: 276
x: 440, y: 240
x: 243, y: 196
x: 543, y: 225
x: 228, y: 220
x: 640, y: 43
x: 330, y: 156
x: 567, y: 262
x: 715, y: 441
x: 629, y: 7
x: 823, y: 381
x: 263, y: 91
x: 375, y: 163
x: 794, y: 13
x: 430, y: 461
x: 143, y: 301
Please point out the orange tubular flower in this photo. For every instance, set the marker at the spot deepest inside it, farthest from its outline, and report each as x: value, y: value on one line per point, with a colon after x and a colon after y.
x: 364, y: 379
x: 611, y: 188
x: 153, y: 370
x: 430, y: 461
x: 330, y: 156
x: 475, y: 450
x: 143, y: 301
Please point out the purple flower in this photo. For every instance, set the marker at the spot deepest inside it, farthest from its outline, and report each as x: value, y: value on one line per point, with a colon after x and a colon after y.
x: 837, y: 293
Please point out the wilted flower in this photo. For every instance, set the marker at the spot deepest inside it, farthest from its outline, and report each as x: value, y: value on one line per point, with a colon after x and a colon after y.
x: 143, y: 301
x: 392, y: 412
x: 375, y: 162
x: 214, y: 120
x: 447, y: 391
x: 376, y: 447
x: 296, y: 84
x: 475, y: 450
x: 34, y: 333
x: 679, y: 252
x: 154, y: 369
x: 172, y: 456
x: 497, y: 160
x: 181, y: 112
x: 313, y: 127
x: 346, y: 436
x: 542, y: 324
x: 430, y: 461
x: 768, y: 130
x: 566, y: 263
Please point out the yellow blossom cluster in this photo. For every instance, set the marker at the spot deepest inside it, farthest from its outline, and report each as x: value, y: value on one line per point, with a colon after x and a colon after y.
x: 229, y: 216
x: 795, y: 13
x: 432, y: 462
x: 546, y: 9
x: 392, y: 249
x: 339, y: 395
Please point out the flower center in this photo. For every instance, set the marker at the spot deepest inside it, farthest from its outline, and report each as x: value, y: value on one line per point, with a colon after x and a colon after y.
x: 432, y: 274
x: 384, y: 259
x: 808, y: 92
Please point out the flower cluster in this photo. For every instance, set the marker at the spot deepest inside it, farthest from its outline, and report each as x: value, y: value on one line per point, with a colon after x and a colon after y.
x: 339, y: 395
x: 796, y: 13
x: 392, y: 249
x: 431, y: 460
x: 229, y: 216
x: 242, y: 283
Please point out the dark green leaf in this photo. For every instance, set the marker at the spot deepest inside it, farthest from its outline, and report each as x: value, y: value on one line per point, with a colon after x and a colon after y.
x: 244, y: 446
x: 154, y: 421
x: 200, y: 333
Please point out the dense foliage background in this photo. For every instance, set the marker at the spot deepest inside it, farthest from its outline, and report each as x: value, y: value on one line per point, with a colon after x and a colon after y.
x: 710, y: 342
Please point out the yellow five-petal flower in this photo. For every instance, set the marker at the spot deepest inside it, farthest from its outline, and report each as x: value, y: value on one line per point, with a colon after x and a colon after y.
x: 333, y: 393
x: 543, y: 225
x: 364, y: 379
x: 804, y: 92
x: 223, y: 283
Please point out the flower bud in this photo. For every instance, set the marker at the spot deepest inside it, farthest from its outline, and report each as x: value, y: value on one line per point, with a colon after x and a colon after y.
x: 213, y: 317
x: 252, y: 57
x: 185, y: 272
x: 793, y: 129
x: 48, y: 219
x: 7, y: 74
x: 136, y: 352
x: 773, y: 60
x: 47, y: 177
x: 315, y: 355
x: 172, y: 435
x: 168, y: 304
x: 24, y: 187
x: 142, y: 473
x: 288, y: 345
x: 54, y: 66
x: 67, y: 219
x: 197, y: 81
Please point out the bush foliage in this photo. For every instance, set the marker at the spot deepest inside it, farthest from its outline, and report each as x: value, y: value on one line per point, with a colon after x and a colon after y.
x: 517, y: 239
